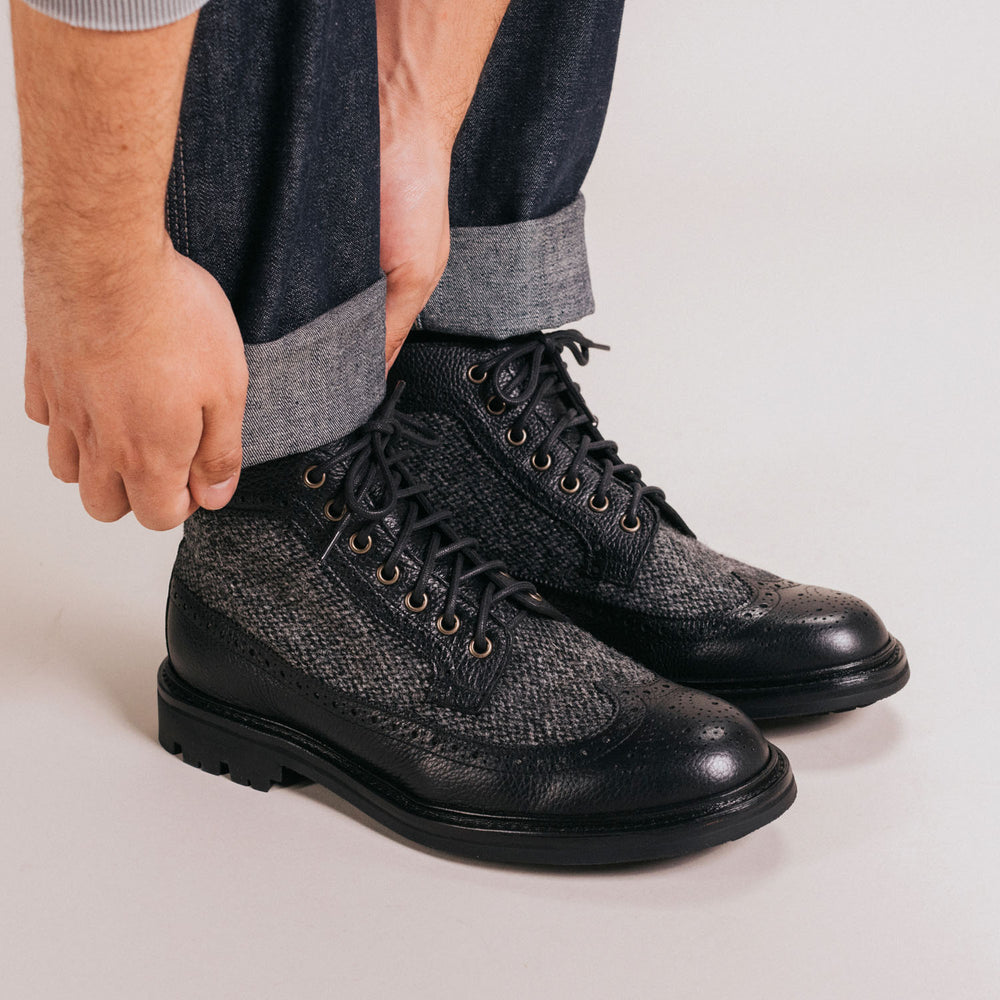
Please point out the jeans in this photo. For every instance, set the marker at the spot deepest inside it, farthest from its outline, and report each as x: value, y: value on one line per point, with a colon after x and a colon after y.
x: 275, y: 190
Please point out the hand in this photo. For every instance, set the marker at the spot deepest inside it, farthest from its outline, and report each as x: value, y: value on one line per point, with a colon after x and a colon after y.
x: 414, y: 221
x: 140, y: 375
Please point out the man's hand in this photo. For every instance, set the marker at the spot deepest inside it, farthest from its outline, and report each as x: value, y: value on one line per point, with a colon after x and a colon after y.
x: 134, y: 359
x: 141, y: 377
x: 430, y: 56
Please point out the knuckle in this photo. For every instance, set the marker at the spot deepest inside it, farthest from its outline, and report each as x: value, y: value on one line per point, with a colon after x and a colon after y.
x: 220, y: 465
x: 63, y: 471
x: 159, y: 519
x: 35, y: 410
x: 103, y: 510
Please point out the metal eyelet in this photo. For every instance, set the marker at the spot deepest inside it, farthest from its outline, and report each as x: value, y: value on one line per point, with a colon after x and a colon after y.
x: 594, y: 507
x: 313, y: 484
x: 516, y: 442
x: 481, y: 655
x: 448, y: 631
x: 388, y: 581
x: 566, y: 489
x: 416, y: 608
x: 496, y: 406
x: 357, y: 549
x: 472, y: 377
x: 330, y: 515
x: 630, y: 528
x: 538, y: 465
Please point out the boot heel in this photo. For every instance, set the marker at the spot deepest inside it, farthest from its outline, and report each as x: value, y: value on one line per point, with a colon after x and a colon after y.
x: 219, y: 750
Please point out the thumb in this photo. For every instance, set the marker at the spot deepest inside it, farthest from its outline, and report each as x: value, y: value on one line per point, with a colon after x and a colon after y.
x: 215, y: 468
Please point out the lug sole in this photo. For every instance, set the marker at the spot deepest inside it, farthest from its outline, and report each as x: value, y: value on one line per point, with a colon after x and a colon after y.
x: 841, y: 689
x: 259, y: 752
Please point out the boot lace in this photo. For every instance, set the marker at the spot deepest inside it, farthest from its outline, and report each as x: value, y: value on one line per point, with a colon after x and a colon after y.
x: 376, y: 485
x: 533, y: 372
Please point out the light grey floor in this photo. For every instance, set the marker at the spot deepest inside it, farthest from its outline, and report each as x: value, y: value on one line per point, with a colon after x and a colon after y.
x: 795, y: 223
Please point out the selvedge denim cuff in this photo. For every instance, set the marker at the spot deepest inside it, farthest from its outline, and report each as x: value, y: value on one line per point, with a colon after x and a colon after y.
x: 505, y: 280
x: 318, y: 382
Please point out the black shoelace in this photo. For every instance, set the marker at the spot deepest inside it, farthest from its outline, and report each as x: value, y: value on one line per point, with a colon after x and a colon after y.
x: 377, y: 484
x: 538, y: 374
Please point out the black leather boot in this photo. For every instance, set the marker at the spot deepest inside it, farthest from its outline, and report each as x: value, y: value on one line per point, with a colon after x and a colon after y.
x: 523, y: 466
x: 330, y: 624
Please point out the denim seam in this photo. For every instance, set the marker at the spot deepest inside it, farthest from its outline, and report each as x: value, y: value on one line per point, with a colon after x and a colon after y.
x: 184, y: 204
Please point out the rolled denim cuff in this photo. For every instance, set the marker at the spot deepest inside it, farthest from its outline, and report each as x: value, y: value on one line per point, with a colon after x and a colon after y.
x: 505, y: 280
x: 318, y: 382
x: 117, y: 15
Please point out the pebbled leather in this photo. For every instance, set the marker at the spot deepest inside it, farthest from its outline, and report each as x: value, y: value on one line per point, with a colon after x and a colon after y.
x: 664, y: 744
x: 784, y: 634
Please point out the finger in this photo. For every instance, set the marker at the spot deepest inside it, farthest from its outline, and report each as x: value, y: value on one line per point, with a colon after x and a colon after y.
x: 64, y: 455
x: 102, y: 490
x: 408, y: 288
x: 215, y: 469
x: 35, y: 404
x: 159, y: 494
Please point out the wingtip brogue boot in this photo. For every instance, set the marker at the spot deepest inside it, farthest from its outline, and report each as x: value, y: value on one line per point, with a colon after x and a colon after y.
x: 523, y: 465
x: 330, y: 624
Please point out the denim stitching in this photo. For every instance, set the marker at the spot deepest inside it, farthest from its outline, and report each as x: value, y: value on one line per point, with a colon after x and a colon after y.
x: 180, y: 149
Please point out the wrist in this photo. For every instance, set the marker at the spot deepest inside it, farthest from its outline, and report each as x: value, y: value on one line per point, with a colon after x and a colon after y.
x: 410, y: 112
x: 87, y: 262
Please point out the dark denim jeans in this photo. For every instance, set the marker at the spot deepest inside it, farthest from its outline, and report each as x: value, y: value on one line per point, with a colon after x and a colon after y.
x: 275, y: 190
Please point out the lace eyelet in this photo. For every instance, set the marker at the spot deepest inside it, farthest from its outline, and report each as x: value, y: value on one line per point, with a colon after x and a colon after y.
x: 448, y: 631
x: 415, y: 608
x: 472, y: 377
x: 630, y: 528
x: 496, y: 406
x: 313, y: 484
x: 388, y: 581
x: 516, y: 442
x: 481, y: 655
x: 330, y: 515
x: 538, y: 465
x: 564, y: 486
x: 595, y: 507
x: 358, y: 549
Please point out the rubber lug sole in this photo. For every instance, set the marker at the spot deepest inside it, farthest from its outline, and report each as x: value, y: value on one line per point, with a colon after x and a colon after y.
x: 260, y: 752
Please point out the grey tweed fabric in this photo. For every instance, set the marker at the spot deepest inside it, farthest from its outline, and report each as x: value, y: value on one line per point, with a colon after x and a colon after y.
x: 260, y: 573
x: 679, y: 577
x: 117, y: 15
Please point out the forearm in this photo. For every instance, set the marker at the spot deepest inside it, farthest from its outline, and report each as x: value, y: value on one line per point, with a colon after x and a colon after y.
x: 430, y: 55
x: 99, y: 115
x: 134, y: 359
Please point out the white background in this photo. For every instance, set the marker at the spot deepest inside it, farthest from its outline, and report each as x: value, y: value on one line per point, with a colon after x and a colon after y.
x: 794, y: 222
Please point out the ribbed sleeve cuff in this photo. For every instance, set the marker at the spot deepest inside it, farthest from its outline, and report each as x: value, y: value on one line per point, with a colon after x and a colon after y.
x: 117, y: 15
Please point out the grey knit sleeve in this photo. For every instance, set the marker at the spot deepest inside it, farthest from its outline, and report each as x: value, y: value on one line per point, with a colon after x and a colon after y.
x: 117, y: 15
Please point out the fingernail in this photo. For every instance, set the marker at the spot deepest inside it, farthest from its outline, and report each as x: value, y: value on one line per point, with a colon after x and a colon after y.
x: 219, y: 487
